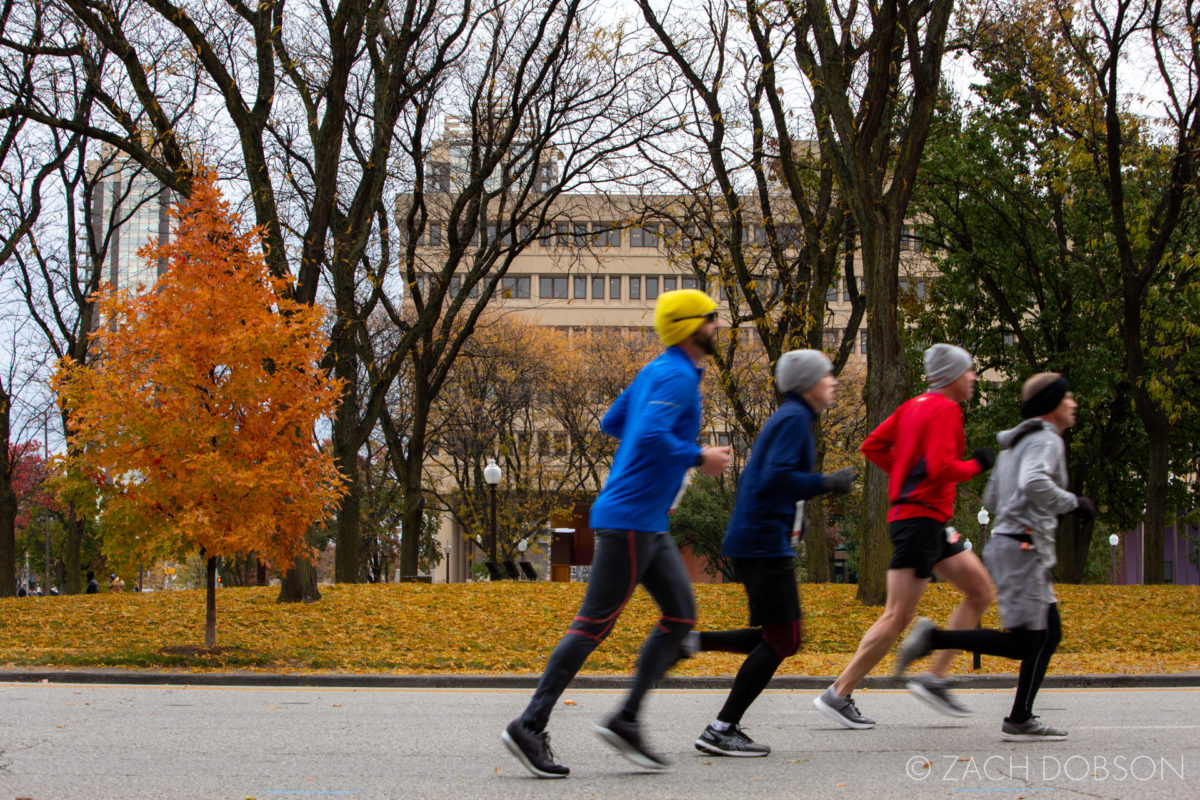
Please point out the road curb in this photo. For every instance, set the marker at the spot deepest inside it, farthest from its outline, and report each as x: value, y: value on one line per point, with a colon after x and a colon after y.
x: 472, y: 681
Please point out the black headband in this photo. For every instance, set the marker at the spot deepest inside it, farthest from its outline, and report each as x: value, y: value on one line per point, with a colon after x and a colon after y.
x: 1046, y: 399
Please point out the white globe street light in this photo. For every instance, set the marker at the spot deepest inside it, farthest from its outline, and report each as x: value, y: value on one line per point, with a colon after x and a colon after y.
x: 1113, y: 540
x: 492, y: 475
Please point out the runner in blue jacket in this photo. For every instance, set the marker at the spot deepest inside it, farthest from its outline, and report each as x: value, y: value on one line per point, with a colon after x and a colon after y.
x: 657, y: 420
x: 758, y: 540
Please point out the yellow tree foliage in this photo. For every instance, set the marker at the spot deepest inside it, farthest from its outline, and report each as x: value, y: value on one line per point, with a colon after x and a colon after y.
x: 195, y: 423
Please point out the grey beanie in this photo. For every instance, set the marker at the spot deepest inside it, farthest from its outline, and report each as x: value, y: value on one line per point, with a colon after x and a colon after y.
x: 944, y: 363
x: 799, y: 370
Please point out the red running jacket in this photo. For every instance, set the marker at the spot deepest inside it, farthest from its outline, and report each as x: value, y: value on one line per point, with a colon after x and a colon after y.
x: 920, y: 447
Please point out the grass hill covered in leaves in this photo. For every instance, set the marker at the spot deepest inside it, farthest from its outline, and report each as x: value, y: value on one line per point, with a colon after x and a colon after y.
x: 510, y: 628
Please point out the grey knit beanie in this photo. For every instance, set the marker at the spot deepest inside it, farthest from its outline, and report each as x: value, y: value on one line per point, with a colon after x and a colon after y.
x: 799, y: 370
x: 944, y: 363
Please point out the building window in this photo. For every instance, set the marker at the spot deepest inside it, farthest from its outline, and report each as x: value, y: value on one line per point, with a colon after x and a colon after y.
x: 562, y: 235
x: 862, y: 342
x: 580, y: 288
x: 439, y: 176
x: 689, y: 283
x: 432, y: 236
x: 833, y: 337
x: 651, y: 288
x: 605, y: 235
x: 832, y: 292
x: 581, y: 234
x: 552, y: 288
x: 669, y: 284
x: 643, y: 236
x: 597, y: 288
x: 456, y: 282
x: 614, y: 288
x: 514, y: 288
x: 546, y: 175
x: 788, y: 235
x: 909, y: 239
x: 635, y: 288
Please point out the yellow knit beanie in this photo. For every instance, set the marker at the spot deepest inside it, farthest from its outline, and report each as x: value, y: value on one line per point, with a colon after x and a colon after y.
x: 680, y: 313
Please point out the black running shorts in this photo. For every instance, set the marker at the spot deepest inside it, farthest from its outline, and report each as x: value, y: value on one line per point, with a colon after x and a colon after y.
x: 920, y: 543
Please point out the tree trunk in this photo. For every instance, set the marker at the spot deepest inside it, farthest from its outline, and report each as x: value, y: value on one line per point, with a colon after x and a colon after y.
x: 414, y: 515
x: 346, y: 567
x: 412, y: 479
x: 73, y: 569
x: 299, y: 584
x: 260, y: 573
x: 210, y: 603
x: 1157, y: 474
x: 8, y: 505
x: 888, y: 384
x: 8, y: 538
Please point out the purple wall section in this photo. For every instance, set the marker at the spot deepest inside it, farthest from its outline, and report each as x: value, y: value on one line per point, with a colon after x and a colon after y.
x: 1179, y: 545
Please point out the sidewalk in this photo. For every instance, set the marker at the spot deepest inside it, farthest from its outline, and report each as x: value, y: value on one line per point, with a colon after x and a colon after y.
x: 477, y: 681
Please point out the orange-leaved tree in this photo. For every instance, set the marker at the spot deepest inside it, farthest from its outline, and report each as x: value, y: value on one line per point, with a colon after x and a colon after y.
x: 195, y: 424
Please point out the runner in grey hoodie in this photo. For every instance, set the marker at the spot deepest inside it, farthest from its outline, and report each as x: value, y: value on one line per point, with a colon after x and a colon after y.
x: 1027, y: 494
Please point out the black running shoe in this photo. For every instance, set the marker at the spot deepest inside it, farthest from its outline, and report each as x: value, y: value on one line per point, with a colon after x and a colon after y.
x: 626, y: 737
x: 532, y: 749
x: 730, y: 742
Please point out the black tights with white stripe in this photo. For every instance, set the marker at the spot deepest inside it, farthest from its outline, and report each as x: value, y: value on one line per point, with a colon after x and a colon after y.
x: 1032, y: 648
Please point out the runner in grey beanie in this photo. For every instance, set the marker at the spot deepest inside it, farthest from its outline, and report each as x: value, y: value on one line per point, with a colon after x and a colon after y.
x: 799, y: 370
x: 944, y: 363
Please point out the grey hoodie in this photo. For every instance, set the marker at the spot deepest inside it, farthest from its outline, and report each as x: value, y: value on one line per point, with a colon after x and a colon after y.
x: 1026, y: 492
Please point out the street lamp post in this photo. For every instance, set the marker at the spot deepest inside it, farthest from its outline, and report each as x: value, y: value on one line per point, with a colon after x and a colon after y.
x: 46, y: 445
x: 1113, y: 541
x: 446, y: 549
x: 491, y: 475
x: 983, y: 518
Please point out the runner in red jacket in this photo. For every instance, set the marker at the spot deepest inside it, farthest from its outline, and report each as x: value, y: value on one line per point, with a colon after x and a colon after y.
x: 920, y: 446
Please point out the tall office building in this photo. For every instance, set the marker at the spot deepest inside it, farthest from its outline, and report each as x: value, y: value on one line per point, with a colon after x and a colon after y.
x: 128, y: 209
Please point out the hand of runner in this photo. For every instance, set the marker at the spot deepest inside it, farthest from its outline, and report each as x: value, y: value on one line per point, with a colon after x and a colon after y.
x: 715, y: 460
x: 838, y: 482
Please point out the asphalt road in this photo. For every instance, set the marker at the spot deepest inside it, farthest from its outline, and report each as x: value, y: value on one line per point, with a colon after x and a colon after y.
x: 66, y: 741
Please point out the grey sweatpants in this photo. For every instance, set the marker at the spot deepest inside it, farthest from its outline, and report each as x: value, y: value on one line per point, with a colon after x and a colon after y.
x: 622, y: 560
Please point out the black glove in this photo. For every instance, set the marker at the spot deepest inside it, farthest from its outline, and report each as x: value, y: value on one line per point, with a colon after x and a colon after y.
x: 985, y: 456
x: 838, y: 482
x: 1086, y: 512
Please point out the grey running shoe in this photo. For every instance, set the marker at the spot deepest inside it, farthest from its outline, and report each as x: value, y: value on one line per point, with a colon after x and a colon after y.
x: 626, y: 737
x: 532, y: 749
x: 842, y: 710
x: 915, y: 645
x: 731, y: 742
x: 936, y: 692
x: 1031, y: 730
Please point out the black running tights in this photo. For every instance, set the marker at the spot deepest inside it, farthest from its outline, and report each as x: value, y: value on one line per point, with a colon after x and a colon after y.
x: 1032, y: 648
